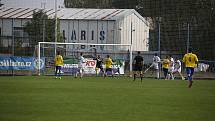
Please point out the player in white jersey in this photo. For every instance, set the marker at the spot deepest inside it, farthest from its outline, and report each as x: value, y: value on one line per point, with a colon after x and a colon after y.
x: 171, y: 68
x: 155, y: 65
x: 178, y: 69
x: 81, y: 62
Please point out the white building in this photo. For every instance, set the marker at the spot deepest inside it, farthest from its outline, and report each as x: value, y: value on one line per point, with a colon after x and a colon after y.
x: 117, y: 26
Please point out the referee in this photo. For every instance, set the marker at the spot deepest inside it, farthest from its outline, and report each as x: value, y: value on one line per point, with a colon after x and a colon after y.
x: 138, y: 66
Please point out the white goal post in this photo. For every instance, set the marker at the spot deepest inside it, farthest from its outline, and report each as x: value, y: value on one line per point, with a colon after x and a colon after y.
x: 87, y: 44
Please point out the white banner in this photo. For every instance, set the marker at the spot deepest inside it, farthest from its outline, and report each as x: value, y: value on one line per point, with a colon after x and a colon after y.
x: 90, y: 65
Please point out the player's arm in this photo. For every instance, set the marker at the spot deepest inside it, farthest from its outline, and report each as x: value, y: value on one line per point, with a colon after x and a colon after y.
x: 83, y: 60
x: 111, y: 61
x: 55, y: 61
x: 61, y: 59
x: 168, y: 61
x: 184, y: 59
x: 159, y: 60
x: 196, y: 61
x: 162, y: 60
x: 104, y: 61
x: 142, y: 61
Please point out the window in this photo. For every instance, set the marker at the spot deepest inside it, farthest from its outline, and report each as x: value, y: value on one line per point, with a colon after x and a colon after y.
x: 18, y: 31
x: 82, y: 46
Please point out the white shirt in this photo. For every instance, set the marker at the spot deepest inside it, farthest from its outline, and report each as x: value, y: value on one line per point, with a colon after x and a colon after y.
x: 156, y: 60
x: 178, y: 66
x: 172, y: 63
x: 179, y: 63
x: 81, y: 61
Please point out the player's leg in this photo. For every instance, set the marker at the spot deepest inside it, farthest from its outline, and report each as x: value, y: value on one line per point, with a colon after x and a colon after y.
x: 59, y: 72
x: 168, y: 75
x: 108, y: 72
x: 81, y: 72
x: 105, y: 73
x: 141, y: 72
x: 182, y: 77
x: 141, y: 76
x: 171, y: 75
x: 165, y: 71
x: 77, y: 72
x: 135, y: 72
x: 178, y: 70
x: 56, y: 70
x: 118, y: 71
x: 148, y: 68
x: 191, y: 74
x: 157, y: 73
x: 156, y: 67
x: 191, y: 77
x: 189, y: 71
x: 97, y: 71
x: 112, y: 73
x: 101, y: 70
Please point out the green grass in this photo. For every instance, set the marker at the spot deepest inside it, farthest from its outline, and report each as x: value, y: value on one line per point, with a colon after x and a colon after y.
x: 33, y: 98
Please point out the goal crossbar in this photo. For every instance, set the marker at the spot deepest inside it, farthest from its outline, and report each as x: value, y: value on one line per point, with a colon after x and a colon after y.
x: 58, y: 43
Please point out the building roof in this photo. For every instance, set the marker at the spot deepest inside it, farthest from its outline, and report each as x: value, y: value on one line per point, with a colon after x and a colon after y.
x: 70, y: 13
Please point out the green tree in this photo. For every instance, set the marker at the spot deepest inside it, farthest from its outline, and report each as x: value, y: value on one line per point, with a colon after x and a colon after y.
x: 88, y: 3
x: 42, y: 27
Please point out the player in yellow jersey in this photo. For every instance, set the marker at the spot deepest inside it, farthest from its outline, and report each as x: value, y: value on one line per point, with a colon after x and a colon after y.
x: 108, y: 66
x: 165, y: 66
x: 58, y: 63
x: 190, y: 60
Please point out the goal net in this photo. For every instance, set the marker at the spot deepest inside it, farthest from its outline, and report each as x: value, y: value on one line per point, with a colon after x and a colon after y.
x: 119, y: 53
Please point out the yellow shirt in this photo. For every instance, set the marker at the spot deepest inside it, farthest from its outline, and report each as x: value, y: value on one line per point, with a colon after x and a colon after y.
x: 165, y: 63
x: 190, y: 60
x: 108, y: 63
x: 58, y: 60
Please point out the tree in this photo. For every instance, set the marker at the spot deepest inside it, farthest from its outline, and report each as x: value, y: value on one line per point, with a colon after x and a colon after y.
x: 88, y: 3
x: 42, y: 26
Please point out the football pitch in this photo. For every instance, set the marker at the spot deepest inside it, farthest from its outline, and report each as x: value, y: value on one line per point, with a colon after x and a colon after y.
x: 44, y: 98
